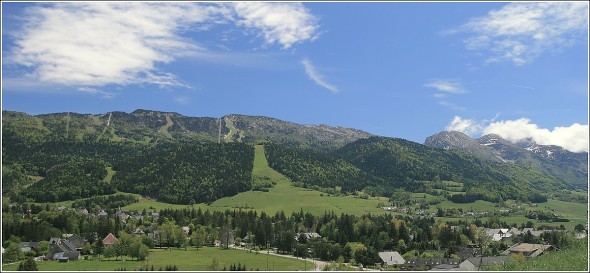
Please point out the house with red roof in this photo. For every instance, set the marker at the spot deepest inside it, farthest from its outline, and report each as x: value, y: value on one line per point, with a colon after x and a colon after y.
x: 109, y: 239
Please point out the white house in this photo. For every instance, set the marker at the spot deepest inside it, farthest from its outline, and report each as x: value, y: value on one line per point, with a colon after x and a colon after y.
x: 392, y: 258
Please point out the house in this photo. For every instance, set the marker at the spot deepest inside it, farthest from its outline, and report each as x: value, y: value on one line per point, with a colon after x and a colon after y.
x: 54, y: 241
x: 103, y: 214
x: 155, y: 216
x: 468, y: 252
x: 428, y: 263
x: 28, y: 246
x: 138, y: 231
x: 444, y: 267
x: 110, y: 239
x: 122, y: 216
x: 308, y: 235
x: 528, y: 250
x: 64, y: 250
x: 77, y: 241
x: 475, y: 263
x: 499, y: 234
x: 514, y: 231
x: 83, y: 211
x: 185, y: 229
x: 391, y: 258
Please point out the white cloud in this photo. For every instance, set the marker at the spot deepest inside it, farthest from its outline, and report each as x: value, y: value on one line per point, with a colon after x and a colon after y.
x: 284, y: 23
x: 316, y: 77
x: 519, y: 32
x: 93, y: 44
x: 448, y: 86
x: 96, y: 44
x: 467, y: 126
x: 572, y: 138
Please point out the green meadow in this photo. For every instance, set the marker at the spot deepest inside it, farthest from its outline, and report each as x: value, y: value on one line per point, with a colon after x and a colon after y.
x: 191, y: 259
x: 281, y: 196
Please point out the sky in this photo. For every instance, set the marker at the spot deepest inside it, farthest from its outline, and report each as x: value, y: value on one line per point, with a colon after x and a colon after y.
x: 395, y: 69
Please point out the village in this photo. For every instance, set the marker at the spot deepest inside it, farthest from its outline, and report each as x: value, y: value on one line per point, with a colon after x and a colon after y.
x: 144, y: 229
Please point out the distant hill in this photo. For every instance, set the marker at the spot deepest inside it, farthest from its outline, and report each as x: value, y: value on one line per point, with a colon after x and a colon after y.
x: 399, y: 160
x: 566, y: 166
x: 145, y: 126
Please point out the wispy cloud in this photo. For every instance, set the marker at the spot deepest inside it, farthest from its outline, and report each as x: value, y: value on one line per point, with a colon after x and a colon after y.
x: 284, y: 23
x: 444, y: 89
x: 182, y: 100
x: 94, y: 91
x: 519, y: 32
x: 448, y: 86
x: 316, y: 77
x: 573, y: 138
x: 96, y: 44
x: 451, y: 105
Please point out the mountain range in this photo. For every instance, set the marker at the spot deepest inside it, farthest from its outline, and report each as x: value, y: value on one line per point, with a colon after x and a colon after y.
x: 554, y: 160
x: 178, y: 159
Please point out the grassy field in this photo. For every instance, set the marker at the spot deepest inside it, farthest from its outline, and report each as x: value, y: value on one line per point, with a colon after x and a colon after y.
x: 110, y: 174
x: 164, y: 129
x: 232, y: 132
x: 287, y: 198
x: 189, y: 260
x: 282, y: 196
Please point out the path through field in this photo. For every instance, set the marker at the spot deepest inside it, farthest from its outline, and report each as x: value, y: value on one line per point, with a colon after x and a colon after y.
x: 319, y: 265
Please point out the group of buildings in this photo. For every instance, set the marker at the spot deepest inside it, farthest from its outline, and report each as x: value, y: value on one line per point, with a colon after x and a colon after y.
x: 470, y: 258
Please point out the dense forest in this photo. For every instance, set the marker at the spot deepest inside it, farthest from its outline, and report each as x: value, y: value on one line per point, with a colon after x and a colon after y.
x: 69, y: 181
x: 188, y: 173
x: 398, y: 160
x: 306, y: 168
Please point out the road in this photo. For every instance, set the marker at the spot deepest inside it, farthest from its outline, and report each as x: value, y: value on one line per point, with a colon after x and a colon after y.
x: 319, y: 265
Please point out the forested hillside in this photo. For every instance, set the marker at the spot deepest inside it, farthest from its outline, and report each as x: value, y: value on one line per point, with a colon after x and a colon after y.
x: 69, y: 181
x: 177, y: 159
x: 188, y: 173
x: 306, y: 168
x: 401, y: 160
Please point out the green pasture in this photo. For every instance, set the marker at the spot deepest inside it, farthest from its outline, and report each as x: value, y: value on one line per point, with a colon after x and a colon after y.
x: 90, y: 265
x: 287, y: 198
x: 191, y: 259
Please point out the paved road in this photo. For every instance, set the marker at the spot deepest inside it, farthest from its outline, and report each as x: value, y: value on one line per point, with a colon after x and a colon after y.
x: 319, y: 265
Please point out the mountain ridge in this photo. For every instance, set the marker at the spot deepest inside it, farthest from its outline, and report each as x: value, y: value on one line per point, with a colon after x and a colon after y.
x: 150, y: 126
x: 565, y: 165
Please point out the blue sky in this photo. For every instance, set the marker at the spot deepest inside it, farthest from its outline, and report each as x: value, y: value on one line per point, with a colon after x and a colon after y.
x: 395, y: 69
